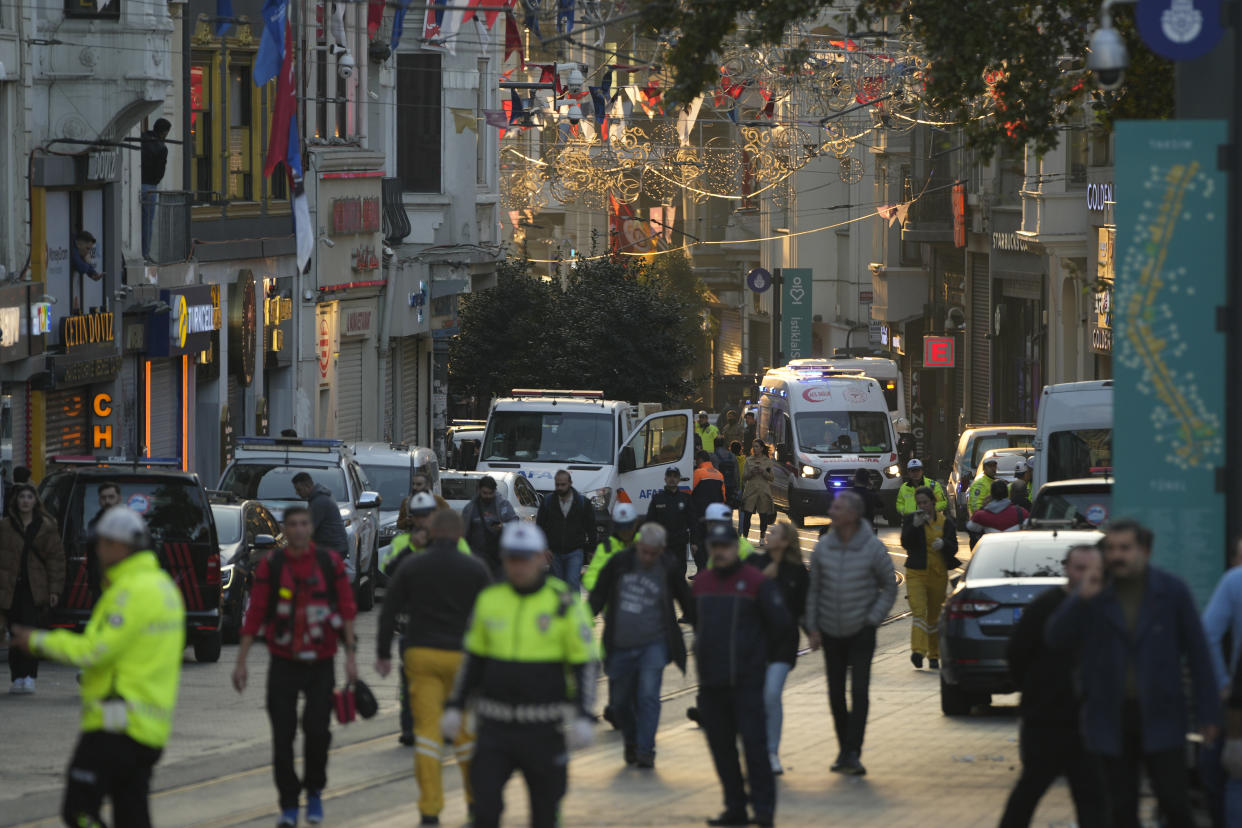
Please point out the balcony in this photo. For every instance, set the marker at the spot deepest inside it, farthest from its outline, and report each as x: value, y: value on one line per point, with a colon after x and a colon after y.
x: 931, y: 216
x: 166, y: 218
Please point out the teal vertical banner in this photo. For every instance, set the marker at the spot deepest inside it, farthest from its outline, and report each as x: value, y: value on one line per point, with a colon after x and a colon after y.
x: 796, y: 312
x: 1168, y: 437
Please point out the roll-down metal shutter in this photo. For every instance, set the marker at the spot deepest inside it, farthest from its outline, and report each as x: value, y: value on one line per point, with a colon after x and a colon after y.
x: 730, y: 341
x: 409, y: 390
x: 67, y: 422
x: 349, y: 390
x: 388, y: 416
x: 165, y: 407
x: 980, y: 344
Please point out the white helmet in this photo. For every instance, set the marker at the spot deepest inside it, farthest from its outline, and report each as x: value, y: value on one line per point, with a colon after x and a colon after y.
x: 718, y: 511
x: 124, y: 525
x: 521, y: 539
x: 623, y: 514
x: 421, y: 504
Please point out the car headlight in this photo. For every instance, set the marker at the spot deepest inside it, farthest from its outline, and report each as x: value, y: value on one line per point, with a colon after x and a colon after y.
x: 226, y: 576
x: 810, y: 471
x: 893, y: 471
x: 599, y: 498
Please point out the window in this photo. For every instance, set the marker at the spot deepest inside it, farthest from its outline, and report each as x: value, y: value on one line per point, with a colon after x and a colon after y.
x: 228, y: 523
x: 844, y: 432
x: 1077, y: 156
x: 109, y: 10
x: 419, y: 122
x: 549, y: 437
x: 481, y: 132
x: 1007, y: 558
x: 258, y: 481
x: 1081, y: 453
x: 1080, y: 506
x: 659, y: 442
x: 241, y: 159
x: 526, y: 494
x: 201, y: 130
x: 392, y: 483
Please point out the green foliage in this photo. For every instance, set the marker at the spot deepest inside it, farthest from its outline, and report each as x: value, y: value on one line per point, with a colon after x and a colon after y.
x: 615, y: 325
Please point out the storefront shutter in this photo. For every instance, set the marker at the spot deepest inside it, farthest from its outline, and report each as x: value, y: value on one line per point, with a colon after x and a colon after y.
x: 165, y: 407
x: 388, y: 416
x: 730, y: 360
x: 409, y: 390
x: 349, y: 390
x: 67, y: 421
x: 980, y: 343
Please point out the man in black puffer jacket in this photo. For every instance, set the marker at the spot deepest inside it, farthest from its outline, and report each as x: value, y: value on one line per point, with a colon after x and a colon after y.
x: 568, y: 520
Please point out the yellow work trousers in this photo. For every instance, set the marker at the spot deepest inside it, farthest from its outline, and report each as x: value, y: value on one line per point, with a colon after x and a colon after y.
x: 430, y: 674
x: 926, y: 588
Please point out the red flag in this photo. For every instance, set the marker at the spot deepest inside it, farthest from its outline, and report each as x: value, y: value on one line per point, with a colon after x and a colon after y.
x: 375, y: 17
x: 513, y: 39
x: 282, y: 110
x: 489, y: 17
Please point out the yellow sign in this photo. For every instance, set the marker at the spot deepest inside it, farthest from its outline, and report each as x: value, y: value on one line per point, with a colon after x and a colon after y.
x: 180, y: 327
x: 89, y: 329
x: 101, y: 435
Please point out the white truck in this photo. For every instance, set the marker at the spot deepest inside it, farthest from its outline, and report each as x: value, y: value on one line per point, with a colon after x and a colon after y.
x: 1074, y: 432
x: 612, y: 458
x: 823, y: 425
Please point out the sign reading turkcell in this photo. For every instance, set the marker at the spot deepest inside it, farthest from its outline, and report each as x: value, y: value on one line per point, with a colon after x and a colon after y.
x: 796, y: 312
x: 1169, y: 367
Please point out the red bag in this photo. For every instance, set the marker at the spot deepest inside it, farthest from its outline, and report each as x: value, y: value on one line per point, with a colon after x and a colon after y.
x: 343, y: 702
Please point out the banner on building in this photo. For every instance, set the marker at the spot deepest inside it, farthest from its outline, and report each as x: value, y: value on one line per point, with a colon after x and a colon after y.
x: 1169, y: 366
x: 796, y: 313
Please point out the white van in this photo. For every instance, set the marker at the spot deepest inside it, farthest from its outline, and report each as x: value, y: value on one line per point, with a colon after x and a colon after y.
x: 883, y: 371
x: 1074, y: 432
x: 538, y: 432
x: 824, y: 425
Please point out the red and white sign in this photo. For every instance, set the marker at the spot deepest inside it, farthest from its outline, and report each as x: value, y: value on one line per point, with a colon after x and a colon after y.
x: 866, y: 297
x: 816, y: 395
x: 856, y: 396
x: 325, y: 347
x: 939, y: 352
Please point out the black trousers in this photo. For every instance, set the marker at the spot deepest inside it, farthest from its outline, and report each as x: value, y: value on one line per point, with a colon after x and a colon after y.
x: 21, y: 663
x: 725, y: 714
x: 1049, y: 751
x: 286, y: 680
x: 851, y: 655
x: 114, y: 766
x: 538, y: 751
x: 1166, y: 770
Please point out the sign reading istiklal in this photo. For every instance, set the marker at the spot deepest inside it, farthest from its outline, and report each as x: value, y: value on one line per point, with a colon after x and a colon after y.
x: 1169, y: 367
x: 796, y: 312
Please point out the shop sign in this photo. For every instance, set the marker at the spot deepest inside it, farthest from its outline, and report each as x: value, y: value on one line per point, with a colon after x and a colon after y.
x: 66, y: 372
x: 101, y: 433
x: 1099, y: 197
x: 358, y: 322
x: 356, y: 215
x: 939, y: 352
x: 364, y: 260
x: 103, y: 165
x: 40, y: 318
x: 1102, y: 295
x: 796, y: 288
x: 1013, y: 243
x: 10, y: 326
x: 189, y: 319
x: 325, y: 346
x: 87, y: 329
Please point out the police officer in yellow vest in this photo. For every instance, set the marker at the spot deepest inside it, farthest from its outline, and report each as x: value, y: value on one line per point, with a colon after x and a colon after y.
x: 420, y: 508
x: 915, y: 481
x: 720, y: 513
x: 130, y: 655
x: 530, y: 650
x: 624, y: 525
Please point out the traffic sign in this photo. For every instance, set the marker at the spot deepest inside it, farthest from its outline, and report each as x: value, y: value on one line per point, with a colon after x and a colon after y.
x: 938, y: 352
x: 1180, y: 29
x: 759, y: 280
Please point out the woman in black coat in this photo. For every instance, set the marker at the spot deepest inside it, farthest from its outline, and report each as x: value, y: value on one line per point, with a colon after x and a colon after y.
x: 930, y: 540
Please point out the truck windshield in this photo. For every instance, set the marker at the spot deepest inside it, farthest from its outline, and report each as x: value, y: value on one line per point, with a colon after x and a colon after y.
x: 1085, y: 452
x: 844, y: 432
x: 549, y: 437
x: 262, y: 481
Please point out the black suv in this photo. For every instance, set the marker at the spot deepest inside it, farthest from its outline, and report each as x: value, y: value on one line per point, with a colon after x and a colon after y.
x: 183, y: 534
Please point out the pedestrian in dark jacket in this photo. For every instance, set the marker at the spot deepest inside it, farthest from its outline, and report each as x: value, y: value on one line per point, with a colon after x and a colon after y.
x: 328, y: 529
x: 1049, y: 741
x: 781, y: 562
x: 154, y: 163
x: 929, y: 537
x: 568, y: 521
x: 726, y: 463
x: 674, y: 510
x: 861, y: 486
x: 484, y: 516
x: 1134, y: 636
x: 32, y: 575
x: 741, y: 618
x: 635, y: 591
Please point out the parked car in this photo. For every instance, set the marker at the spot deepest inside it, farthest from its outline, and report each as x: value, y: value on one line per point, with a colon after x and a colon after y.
x: 1082, y: 503
x: 464, y: 438
x: 977, y: 440
x: 183, y: 537
x: 1006, y: 461
x: 1007, y: 571
x: 389, y: 467
x: 459, y: 488
x: 263, y: 469
x: 247, y: 531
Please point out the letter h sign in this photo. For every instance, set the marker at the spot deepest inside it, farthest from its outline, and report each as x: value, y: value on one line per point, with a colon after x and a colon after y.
x: 938, y: 352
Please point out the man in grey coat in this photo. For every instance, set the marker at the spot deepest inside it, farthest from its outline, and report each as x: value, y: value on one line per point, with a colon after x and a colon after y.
x: 851, y: 591
x: 329, y: 529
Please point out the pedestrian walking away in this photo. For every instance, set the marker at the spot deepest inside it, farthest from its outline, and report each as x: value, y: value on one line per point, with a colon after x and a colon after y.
x: 130, y: 656
x: 915, y: 481
x: 485, y: 516
x: 706, y: 433
x: 851, y: 590
x: 1222, y: 624
x: 757, y: 490
x: 1136, y: 635
x: 327, y: 526
x: 1020, y: 489
x: 999, y: 514
x: 301, y: 603
x: 726, y: 463
x: 737, y: 613
x: 930, y: 539
x: 870, y: 500
x: 32, y: 575
x: 1049, y: 739
x: 568, y: 522
x: 674, y: 510
x: 529, y: 651
x: 624, y: 526
x: 749, y: 432
x: 435, y: 590
x: 732, y: 430
x: 635, y: 591
x: 781, y: 561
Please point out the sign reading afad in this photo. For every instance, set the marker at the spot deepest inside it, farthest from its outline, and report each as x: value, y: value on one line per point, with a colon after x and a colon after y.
x: 87, y: 329
x: 939, y: 352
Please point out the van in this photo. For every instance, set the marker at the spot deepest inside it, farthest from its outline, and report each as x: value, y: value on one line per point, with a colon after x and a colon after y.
x: 538, y: 432
x: 976, y: 441
x: 1074, y: 432
x: 824, y: 425
x: 884, y: 371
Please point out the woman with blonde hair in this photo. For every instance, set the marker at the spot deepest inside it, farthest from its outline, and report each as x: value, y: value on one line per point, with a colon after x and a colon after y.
x: 781, y: 560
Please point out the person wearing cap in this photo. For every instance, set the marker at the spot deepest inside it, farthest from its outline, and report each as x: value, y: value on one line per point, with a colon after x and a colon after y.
x: 624, y: 525
x: 529, y: 650
x: 635, y: 591
x: 738, y: 613
x: 717, y: 514
x: 981, y: 487
x: 130, y: 655
x: 929, y: 537
x: 915, y: 481
x: 435, y: 590
x: 674, y: 510
x: 1020, y: 488
x: 706, y: 432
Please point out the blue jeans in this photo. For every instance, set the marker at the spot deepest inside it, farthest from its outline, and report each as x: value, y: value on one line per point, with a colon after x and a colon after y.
x: 148, y: 217
x: 773, y: 687
x: 634, y: 677
x: 568, y: 567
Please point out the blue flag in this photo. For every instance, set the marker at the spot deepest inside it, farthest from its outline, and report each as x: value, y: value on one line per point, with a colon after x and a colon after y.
x: 565, y: 16
x: 224, y: 15
x: 600, y: 102
x: 272, y: 44
x: 398, y: 24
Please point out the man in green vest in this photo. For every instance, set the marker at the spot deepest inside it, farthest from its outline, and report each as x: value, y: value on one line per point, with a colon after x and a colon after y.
x: 913, y: 482
x: 624, y: 525
x: 130, y: 656
x: 707, y: 433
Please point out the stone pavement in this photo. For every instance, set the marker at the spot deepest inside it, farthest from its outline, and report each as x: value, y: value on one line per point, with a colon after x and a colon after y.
x: 924, y: 769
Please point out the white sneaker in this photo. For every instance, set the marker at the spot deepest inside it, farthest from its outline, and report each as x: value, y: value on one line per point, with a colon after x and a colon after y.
x: 775, y: 760
x: 30, y: 688
x: 18, y: 688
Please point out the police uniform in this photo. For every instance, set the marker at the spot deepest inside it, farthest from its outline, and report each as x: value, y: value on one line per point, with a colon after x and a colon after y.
x: 130, y: 655
x: 518, y: 648
x: 906, y: 504
x: 603, y: 554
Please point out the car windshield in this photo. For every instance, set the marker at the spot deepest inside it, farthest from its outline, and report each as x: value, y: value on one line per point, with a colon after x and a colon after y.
x: 1080, y: 453
x: 844, y: 432
x: 228, y: 523
x: 549, y: 437
x: 175, y: 510
x: 987, y: 442
x: 465, y: 488
x: 260, y: 481
x: 1004, y: 558
x: 1089, y: 507
x: 392, y: 483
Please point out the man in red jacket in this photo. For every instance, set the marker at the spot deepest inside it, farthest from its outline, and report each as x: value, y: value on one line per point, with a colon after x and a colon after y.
x: 999, y: 515
x: 301, y: 603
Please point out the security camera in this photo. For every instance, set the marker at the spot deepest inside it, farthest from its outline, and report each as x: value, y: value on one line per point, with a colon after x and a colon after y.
x: 345, y: 66
x: 574, y: 113
x: 1108, y: 57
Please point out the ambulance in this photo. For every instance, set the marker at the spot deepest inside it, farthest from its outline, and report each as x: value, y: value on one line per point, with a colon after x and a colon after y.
x: 822, y: 425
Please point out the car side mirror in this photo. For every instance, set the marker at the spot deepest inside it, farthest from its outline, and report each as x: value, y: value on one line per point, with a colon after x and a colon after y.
x: 626, y: 462
x: 264, y: 543
x: 369, y: 500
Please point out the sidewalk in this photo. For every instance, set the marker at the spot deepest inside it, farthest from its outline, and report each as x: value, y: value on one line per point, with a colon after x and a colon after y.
x: 924, y: 769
